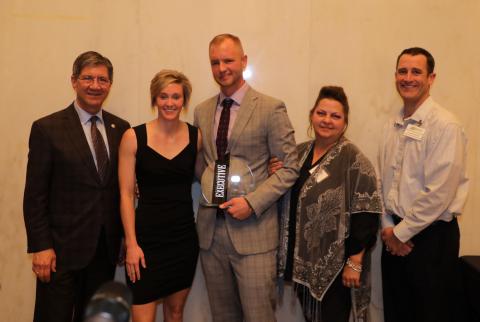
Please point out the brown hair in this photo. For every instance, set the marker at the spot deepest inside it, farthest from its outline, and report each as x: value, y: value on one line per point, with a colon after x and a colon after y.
x: 331, y: 92
x: 91, y: 58
x: 414, y: 51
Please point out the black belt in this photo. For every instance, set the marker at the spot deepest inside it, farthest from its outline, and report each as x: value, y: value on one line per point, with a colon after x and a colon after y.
x: 220, y: 213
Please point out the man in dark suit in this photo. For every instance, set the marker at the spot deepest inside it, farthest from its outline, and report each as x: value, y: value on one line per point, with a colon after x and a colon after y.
x: 71, y: 201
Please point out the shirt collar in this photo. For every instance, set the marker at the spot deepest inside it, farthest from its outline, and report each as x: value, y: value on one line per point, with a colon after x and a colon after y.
x: 418, y: 117
x: 237, y: 97
x: 84, y: 115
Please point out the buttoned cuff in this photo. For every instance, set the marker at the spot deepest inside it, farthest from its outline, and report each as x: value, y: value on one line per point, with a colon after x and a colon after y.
x: 403, y: 232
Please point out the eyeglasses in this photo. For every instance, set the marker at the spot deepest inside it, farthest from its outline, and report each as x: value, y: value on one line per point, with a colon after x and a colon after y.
x: 88, y: 80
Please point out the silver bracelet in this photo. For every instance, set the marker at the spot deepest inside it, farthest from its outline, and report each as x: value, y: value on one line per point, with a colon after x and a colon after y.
x: 356, y: 268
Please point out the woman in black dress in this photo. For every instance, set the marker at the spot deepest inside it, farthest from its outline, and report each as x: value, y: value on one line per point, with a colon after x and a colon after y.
x: 160, y: 236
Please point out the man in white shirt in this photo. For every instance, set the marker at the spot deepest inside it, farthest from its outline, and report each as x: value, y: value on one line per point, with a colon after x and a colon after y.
x: 422, y: 168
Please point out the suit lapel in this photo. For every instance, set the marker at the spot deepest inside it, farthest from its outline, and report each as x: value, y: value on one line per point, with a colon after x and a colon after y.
x: 247, y: 107
x: 209, y: 133
x: 79, y: 141
x: 113, y: 142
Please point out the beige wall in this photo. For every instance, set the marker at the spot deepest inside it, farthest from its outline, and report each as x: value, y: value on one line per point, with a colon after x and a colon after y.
x: 294, y: 48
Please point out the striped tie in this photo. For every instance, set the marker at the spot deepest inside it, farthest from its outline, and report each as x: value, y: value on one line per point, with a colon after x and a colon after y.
x: 100, y: 148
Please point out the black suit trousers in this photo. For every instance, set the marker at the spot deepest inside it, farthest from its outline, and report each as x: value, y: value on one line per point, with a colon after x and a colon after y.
x: 423, y: 286
x: 65, y: 297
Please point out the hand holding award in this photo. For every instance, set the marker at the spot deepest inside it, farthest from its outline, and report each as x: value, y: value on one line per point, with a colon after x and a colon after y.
x: 223, y: 181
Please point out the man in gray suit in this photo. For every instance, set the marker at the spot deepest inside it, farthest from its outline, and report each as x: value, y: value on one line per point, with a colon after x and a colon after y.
x: 238, y: 242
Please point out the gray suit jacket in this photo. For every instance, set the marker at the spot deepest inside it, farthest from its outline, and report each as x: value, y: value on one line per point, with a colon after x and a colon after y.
x: 261, y: 130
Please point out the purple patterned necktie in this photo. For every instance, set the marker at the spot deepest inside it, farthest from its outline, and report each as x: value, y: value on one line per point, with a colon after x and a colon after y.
x: 222, y: 132
x: 99, y: 147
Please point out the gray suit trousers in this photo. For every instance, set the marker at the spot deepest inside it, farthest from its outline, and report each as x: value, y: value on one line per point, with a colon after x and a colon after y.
x: 240, y: 287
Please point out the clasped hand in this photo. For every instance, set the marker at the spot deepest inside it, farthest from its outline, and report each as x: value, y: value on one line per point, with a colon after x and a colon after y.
x: 394, y: 245
x: 350, y: 278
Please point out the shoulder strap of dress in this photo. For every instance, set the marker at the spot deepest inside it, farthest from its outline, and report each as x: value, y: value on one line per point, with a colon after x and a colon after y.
x: 141, y: 134
x: 193, y: 136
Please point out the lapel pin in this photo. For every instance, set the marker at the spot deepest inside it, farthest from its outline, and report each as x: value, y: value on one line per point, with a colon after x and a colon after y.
x: 112, y: 125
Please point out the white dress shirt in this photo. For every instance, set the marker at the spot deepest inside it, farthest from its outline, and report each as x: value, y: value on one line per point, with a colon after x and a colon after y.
x: 422, y: 169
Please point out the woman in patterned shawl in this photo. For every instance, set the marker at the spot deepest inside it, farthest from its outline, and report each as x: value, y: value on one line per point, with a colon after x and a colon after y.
x: 330, y: 219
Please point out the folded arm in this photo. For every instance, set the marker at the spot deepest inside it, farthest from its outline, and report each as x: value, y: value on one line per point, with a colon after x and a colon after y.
x: 281, y: 144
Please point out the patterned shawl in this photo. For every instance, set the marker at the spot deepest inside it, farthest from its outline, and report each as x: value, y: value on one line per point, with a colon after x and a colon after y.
x: 323, y: 221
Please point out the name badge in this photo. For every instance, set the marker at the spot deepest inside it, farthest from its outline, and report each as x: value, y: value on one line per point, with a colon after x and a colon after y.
x: 415, y: 132
x: 219, y: 193
x: 321, y: 175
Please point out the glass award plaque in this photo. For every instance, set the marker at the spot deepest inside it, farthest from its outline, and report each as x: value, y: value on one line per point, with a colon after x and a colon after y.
x: 224, y: 180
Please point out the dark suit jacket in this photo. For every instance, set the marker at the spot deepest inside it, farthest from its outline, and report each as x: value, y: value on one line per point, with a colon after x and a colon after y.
x: 65, y: 203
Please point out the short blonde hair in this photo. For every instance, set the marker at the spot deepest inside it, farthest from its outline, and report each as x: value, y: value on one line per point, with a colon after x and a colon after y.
x: 218, y: 39
x: 166, y: 77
